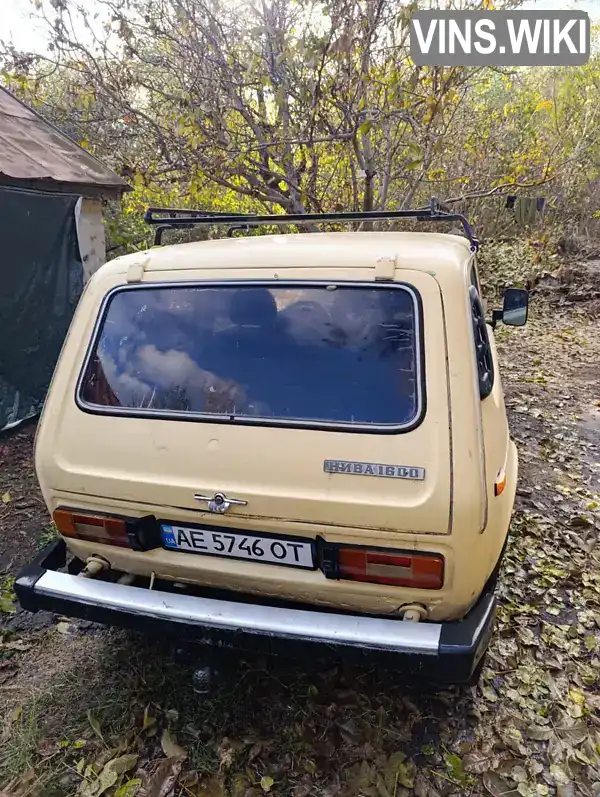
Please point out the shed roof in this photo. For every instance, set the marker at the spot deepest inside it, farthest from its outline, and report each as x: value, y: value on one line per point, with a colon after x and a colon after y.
x: 35, y: 154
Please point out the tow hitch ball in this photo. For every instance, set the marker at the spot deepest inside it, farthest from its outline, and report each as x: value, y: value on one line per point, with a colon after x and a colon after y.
x: 203, y: 679
x: 208, y: 666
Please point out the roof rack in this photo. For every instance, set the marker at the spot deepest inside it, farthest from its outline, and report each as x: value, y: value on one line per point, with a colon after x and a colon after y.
x: 175, y: 218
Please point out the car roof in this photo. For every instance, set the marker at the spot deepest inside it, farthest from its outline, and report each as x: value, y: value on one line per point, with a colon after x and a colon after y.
x: 422, y: 251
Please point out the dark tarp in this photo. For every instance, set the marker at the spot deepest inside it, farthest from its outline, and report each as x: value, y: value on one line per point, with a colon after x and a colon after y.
x: 41, y: 279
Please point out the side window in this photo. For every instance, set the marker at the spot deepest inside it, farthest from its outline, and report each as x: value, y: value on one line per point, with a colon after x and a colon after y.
x: 483, y: 352
x: 474, y: 279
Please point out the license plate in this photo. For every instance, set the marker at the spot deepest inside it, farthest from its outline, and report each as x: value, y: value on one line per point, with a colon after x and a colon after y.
x: 237, y: 545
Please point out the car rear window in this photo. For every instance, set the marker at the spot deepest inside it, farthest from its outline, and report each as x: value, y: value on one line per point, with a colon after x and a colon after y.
x: 295, y: 354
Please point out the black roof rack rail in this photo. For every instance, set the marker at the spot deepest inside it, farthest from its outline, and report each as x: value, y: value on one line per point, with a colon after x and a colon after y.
x: 177, y: 218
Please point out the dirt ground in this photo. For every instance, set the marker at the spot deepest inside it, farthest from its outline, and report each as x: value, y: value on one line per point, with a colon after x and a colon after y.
x: 23, y: 514
x: 76, y: 698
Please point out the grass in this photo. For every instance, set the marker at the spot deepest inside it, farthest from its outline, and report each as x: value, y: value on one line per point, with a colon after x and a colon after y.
x: 131, y: 675
x: 19, y: 750
x: 48, y: 535
x: 271, y: 718
x: 7, y: 595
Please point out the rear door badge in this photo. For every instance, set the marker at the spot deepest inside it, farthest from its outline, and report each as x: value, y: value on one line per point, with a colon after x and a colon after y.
x: 373, y: 469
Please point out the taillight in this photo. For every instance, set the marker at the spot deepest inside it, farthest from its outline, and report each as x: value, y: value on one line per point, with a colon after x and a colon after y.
x: 422, y: 571
x: 136, y: 533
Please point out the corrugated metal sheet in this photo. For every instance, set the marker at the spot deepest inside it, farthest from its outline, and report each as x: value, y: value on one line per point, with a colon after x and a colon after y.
x: 33, y: 150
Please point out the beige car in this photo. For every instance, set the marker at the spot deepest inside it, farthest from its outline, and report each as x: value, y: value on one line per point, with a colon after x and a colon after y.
x: 298, y: 437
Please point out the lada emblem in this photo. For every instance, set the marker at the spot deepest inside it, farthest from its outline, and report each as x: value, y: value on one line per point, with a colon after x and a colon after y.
x: 219, y: 503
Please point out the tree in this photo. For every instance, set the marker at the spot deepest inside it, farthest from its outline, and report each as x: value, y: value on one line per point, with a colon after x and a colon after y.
x: 298, y: 106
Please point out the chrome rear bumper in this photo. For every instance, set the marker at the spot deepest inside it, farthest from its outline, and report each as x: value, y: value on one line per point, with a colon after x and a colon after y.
x: 341, y: 629
x: 41, y: 586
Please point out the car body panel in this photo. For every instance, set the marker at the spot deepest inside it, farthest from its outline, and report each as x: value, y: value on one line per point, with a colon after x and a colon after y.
x: 140, y: 466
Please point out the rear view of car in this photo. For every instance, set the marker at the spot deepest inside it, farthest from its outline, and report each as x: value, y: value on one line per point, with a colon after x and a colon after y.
x: 267, y: 437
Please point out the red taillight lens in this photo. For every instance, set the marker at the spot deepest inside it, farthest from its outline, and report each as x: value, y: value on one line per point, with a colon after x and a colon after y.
x: 96, y: 528
x: 422, y: 571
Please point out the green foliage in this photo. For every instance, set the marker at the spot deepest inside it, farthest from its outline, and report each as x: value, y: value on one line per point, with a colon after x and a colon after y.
x: 301, y: 107
x: 519, y: 263
x: 48, y: 535
x: 7, y: 595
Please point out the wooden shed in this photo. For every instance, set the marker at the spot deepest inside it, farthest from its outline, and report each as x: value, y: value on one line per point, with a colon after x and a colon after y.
x: 51, y: 241
x: 36, y: 155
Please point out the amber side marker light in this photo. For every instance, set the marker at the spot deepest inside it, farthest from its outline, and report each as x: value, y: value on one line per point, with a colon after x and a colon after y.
x: 500, y: 483
x: 95, y: 528
x: 420, y: 571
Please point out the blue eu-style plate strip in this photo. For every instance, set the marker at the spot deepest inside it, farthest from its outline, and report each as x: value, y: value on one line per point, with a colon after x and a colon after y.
x: 168, y: 536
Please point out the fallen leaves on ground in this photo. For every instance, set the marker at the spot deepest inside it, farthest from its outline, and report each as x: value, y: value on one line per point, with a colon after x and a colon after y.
x: 170, y: 747
x: 162, y: 781
x: 96, y: 784
x: 530, y: 728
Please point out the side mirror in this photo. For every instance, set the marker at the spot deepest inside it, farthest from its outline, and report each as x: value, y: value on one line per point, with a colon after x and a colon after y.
x: 515, y: 307
x: 514, y: 310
